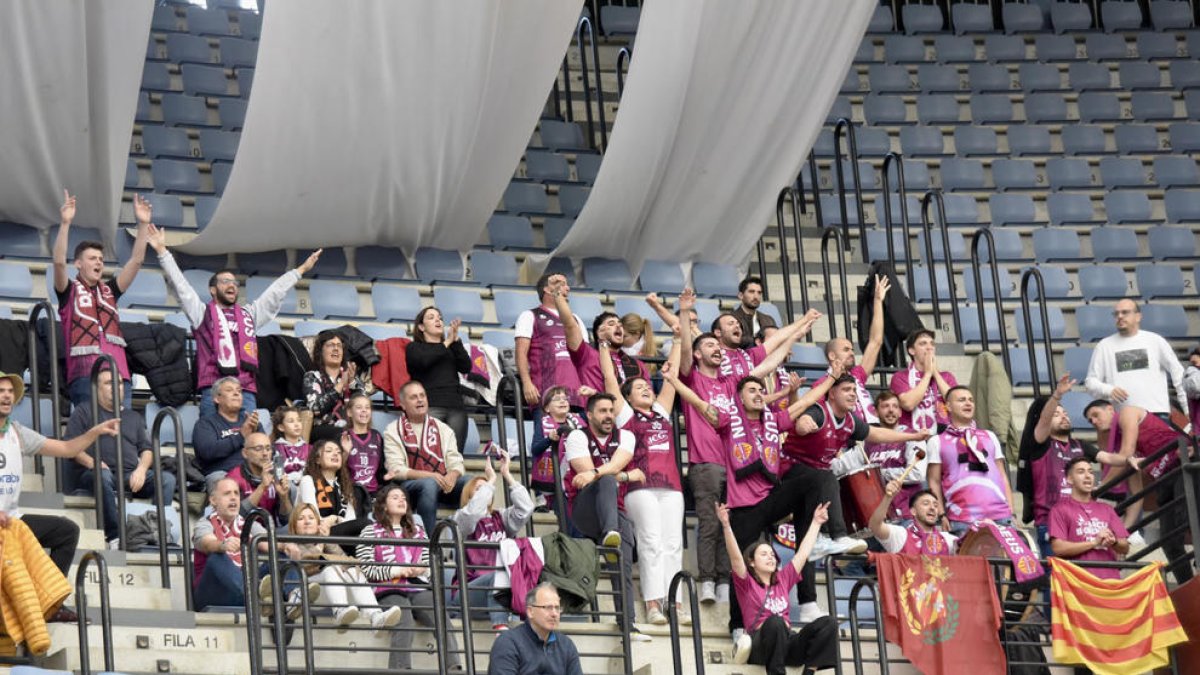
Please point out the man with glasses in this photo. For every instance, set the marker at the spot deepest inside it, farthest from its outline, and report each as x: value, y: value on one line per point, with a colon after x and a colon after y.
x: 226, y: 332
x: 260, y: 485
x: 536, y: 646
x: 1127, y: 367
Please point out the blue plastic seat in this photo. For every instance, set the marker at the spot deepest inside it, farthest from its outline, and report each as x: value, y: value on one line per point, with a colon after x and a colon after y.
x: 618, y: 20
x: 1009, y: 246
x: 971, y: 331
x: 436, y: 264
x: 490, y: 268
x: 1160, y: 280
x: 1053, y: 244
x: 1056, y: 284
x: 962, y: 174
x: 380, y: 262
x: 1099, y: 107
x: 1191, y: 101
x: 1004, y: 48
x: 866, y: 51
x: 459, y: 303
x: 132, y: 177
x: 510, y: 304
x: 873, y: 142
x: 558, y: 135
x: 245, y: 80
x: 971, y: 18
x: 1085, y: 76
x: 189, y: 49
x: 1065, y: 173
x: 238, y: 53
x: 606, y: 274
x: 1094, y: 323
x: 1066, y: 208
x: 143, y: 111
x: 1028, y: 140
x: 921, y: 141
x: 916, y: 176
x: 954, y: 48
x: 1169, y: 321
x: 148, y: 289
x: 1007, y: 285
x: 232, y: 113
x: 165, y: 20
x: 510, y: 232
x: 841, y: 109
x: 1114, y: 243
x: 1077, y: 360
x: 16, y: 281
x: 1039, y: 77
x: 1019, y: 17
x: 1136, y: 75
x: 525, y: 198
x: 877, y: 245
x: 902, y: 49
x: 1015, y: 174
x: 1183, y: 206
x: 249, y: 25
x: 961, y: 210
x: 396, y: 303
x: 1106, y: 47
x: 1057, y: 328
x: 200, y: 80
x: 914, y: 210
x: 1185, y: 75
x: 661, y: 276
x: 264, y: 262
x: 216, y: 145
x: 919, y: 19
x: 220, y: 177
x: 167, y: 209
x: 333, y: 299
x: 1019, y: 357
x: 19, y: 241
x: 587, y: 307
x: 155, y: 77
x: 379, y: 332
x: 1119, y: 15
x: 165, y: 142
x: 1152, y: 106
x: 571, y: 199
x: 1045, y: 108
x: 884, y: 110
x: 1168, y: 242
x: 1136, y: 139
x: 936, y: 78
x: 203, y: 209
x: 1176, y: 171
x: 1170, y: 14
x: 546, y: 167
x: 1125, y: 205
x: 1074, y: 403
x: 1012, y: 209
x: 1122, y: 172
x: 1051, y: 48
x: 991, y: 109
x: 554, y: 230
x: 172, y: 176
x: 1070, y: 17
x: 921, y: 290
x: 958, y: 246
x: 715, y: 280
x: 881, y: 20
x: 831, y: 211
x: 866, y: 173
x: 587, y: 167
x: 934, y: 109
x: 1083, y: 139
x: 626, y: 304
x: 185, y: 111
x: 201, y: 21
x: 1152, y: 45
x: 971, y: 141
x: 989, y: 77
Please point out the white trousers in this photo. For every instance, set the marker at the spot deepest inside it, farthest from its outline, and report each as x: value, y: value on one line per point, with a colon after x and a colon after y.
x: 343, y: 585
x: 657, y: 516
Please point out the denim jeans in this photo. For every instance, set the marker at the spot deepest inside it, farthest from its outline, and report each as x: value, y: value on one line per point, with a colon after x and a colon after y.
x: 87, y: 485
x: 483, y: 597
x: 424, y: 494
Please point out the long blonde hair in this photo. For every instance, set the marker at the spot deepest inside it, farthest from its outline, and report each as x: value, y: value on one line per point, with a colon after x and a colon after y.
x: 636, y: 324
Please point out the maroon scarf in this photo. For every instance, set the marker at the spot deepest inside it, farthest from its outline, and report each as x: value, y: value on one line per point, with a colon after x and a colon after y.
x: 426, y: 454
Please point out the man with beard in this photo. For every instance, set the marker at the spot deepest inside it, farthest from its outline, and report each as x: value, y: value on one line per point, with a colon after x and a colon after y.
x: 923, y: 388
x: 1132, y: 366
x: 750, y: 294
x: 1082, y: 528
x: 894, y: 457
x: 842, y: 349
x: 922, y: 536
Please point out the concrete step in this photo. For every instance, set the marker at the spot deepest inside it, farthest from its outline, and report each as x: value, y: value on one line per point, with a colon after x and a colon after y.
x: 152, y: 649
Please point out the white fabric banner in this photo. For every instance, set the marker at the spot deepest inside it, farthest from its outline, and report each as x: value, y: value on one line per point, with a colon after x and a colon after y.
x: 70, y: 71
x: 723, y: 102
x: 396, y: 122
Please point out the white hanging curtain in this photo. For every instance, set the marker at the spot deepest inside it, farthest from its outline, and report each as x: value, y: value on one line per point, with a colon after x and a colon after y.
x: 396, y: 122
x: 70, y: 71
x: 722, y: 104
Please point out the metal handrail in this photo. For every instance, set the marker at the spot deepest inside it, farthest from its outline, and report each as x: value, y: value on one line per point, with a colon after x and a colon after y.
x: 826, y: 237
x: 253, y: 613
x: 102, y: 362
x: 1033, y: 274
x: 587, y: 91
x: 761, y: 249
x: 439, y: 598
x: 880, y: 639
x: 980, y: 235
x: 931, y: 197
x: 898, y: 160
x: 502, y: 431
x: 786, y: 195
x: 844, y: 125
x: 35, y: 386
x: 161, y: 500
x: 96, y: 557
x: 624, y: 57
x: 684, y: 577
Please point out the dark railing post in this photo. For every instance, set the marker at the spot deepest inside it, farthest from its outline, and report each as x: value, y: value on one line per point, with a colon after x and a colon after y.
x: 673, y: 617
x: 249, y: 568
x: 624, y: 56
x: 931, y: 197
x: 761, y: 250
x: 102, y: 363
x: 502, y: 430
x: 826, y: 237
x: 881, y: 641
x: 786, y: 195
x: 437, y: 562
x: 35, y: 385
x: 980, y: 235
x: 587, y: 91
x: 844, y: 125
x: 1033, y: 274
x: 162, y: 500
x: 898, y: 160
x: 96, y: 557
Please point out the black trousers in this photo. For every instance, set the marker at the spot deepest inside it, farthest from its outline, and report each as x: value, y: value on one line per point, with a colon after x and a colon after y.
x: 775, y: 646
x: 59, y: 535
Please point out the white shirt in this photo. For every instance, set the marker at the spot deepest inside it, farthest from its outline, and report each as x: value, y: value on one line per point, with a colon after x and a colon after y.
x: 898, y: 536
x: 576, y: 446
x: 1136, y: 364
x: 16, y: 444
x: 524, y: 326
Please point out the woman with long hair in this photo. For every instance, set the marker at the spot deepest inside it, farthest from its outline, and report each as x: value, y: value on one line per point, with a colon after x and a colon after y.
x: 435, y: 358
x: 327, y: 389
x: 327, y: 486
x: 363, y: 446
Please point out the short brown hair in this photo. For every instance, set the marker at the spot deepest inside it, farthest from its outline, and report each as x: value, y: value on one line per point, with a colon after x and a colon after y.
x: 85, y: 245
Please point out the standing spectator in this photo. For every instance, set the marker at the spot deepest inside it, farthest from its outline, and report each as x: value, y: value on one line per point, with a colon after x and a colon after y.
x: 435, y: 358
x: 329, y: 387
x: 364, y: 446
x: 639, y: 337
x: 1082, y: 528
x: 287, y: 437
x: 534, y: 647
x: 136, y: 457
x: 256, y: 479
x: 893, y: 457
x: 750, y: 295
x: 842, y: 349
x: 1191, y: 386
x: 921, y: 387
x: 226, y: 332
x: 1128, y: 366
x: 218, y: 438
x: 422, y: 453
x: 557, y: 421
x: 327, y: 486
x: 541, y: 346
x: 606, y: 327
x: 87, y: 306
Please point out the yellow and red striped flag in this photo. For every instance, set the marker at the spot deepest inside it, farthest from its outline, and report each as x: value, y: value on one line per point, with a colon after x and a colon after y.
x: 1113, y: 626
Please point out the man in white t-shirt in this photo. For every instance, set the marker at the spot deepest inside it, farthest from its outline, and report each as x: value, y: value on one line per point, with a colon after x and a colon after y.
x: 1127, y: 367
x: 541, y: 346
x: 922, y: 536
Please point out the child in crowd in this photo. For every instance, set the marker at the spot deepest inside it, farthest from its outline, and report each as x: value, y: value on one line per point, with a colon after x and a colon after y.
x: 287, y: 434
x: 363, y: 446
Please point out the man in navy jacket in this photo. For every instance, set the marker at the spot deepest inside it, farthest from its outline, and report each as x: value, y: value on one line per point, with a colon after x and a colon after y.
x: 536, y: 646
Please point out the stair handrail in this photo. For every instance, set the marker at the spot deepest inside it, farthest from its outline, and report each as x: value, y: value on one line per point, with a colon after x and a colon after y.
x: 81, y: 604
x: 511, y: 380
x: 984, y: 234
x: 1033, y: 274
x: 880, y: 639
x: 785, y: 196
x: 844, y: 125
x: 760, y: 250
x: 181, y: 465
x: 624, y: 57
x: 826, y: 237
x: 253, y: 610
x: 437, y: 576
x: 587, y: 91
x: 106, y: 362
x: 35, y: 386
x: 890, y: 159
x: 684, y: 577
x: 934, y: 196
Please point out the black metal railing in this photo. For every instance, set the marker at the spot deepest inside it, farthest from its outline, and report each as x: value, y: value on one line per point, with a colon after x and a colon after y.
x: 826, y: 237
x: 788, y: 195
x: 683, y: 577
x: 897, y: 160
x: 511, y: 381
x: 102, y: 363
x: 81, y: 604
x: 35, y: 381
x: 624, y: 56
x: 1032, y: 274
x: 598, y: 117
x: 846, y: 127
x: 437, y: 568
x: 929, y: 198
x: 984, y: 234
x: 161, y: 500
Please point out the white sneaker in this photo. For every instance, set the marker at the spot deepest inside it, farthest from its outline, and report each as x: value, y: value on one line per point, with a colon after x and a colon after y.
x: 822, y: 547
x: 293, y: 602
x: 851, y: 545
x: 381, y: 619
x: 113, y: 544
x: 723, y: 593
x: 344, y: 616
x: 810, y: 612
x: 638, y: 636
x: 741, y: 648
x: 708, y: 592
x: 685, y: 617
x: 656, y: 617
x: 612, y: 539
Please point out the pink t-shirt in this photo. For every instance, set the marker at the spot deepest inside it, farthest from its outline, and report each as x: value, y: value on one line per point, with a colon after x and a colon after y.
x: 930, y: 410
x: 737, y: 363
x: 1075, y: 521
x: 704, y: 444
x: 864, y: 405
x: 758, y: 602
x: 587, y: 364
x: 754, y: 488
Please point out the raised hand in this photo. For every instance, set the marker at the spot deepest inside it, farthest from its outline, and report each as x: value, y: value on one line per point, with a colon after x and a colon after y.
x: 157, y: 238
x: 687, y: 299
x: 452, y: 332
x: 250, y: 425
x: 586, y: 391
x: 668, y: 373
x: 652, y: 299
x: 489, y: 474
x: 882, y: 285
x: 795, y: 382
x: 307, y: 265
x: 821, y: 513
x: 505, y: 466
x: 836, y: 370
x: 722, y: 513
x: 142, y: 210
x: 66, y: 212
x: 892, y: 488
x: 1064, y: 385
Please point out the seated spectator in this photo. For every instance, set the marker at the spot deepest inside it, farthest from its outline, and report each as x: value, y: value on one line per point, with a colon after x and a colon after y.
x: 557, y: 421
x: 1082, y: 528
x: 435, y: 358
x: 421, y: 452
x: 136, y: 457
x: 401, y: 572
x: 218, y: 439
x: 364, y: 446
x: 287, y: 436
x: 328, y: 388
x: 534, y: 646
x: 217, y: 548
x: 343, y: 586
x: 327, y: 486
x: 478, y: 521
x: 261, y: 485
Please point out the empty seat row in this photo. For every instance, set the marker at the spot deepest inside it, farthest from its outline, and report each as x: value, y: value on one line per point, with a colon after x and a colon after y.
x: 1030, y: 139
x: 212, y: 145
x: 1096, y: 47
x: 933, y: 78
x: 1064, y: 16
x: 1040, y: 108
x: 551, y: 167
x: 193, y: 111
x: 1067, y: 173
x: 206, y: 21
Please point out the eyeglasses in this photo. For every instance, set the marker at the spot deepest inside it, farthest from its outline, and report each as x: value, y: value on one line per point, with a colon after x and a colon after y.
x: 258, y: 448
x: 553, y: 609
x: 227, y: 281
x: 559, y: 398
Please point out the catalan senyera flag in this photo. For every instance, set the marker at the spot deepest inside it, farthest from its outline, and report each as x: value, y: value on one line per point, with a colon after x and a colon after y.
x: 1113, y: 626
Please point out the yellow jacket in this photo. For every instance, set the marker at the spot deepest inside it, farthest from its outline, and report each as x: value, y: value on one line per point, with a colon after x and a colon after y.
x: 31, y: 587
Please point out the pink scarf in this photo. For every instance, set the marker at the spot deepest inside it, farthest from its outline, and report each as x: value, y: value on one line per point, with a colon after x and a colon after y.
x: 425, y: 455
x: 1025, y: 564
x: 223, y: 532
x: 236, y: 347
x: 971, y: 451
x: 749, y: 453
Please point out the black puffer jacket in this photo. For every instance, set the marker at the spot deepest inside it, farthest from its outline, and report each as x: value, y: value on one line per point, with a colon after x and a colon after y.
x: 360, y: 347
x: 282, y: 362
x: 159, y: 352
